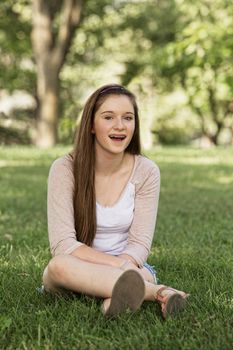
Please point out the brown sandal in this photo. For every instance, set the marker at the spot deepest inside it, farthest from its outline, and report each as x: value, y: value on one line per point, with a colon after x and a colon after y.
x: 172, y: 303
x: 128, y: 293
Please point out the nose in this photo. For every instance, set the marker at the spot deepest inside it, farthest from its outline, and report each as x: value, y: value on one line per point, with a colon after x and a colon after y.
x: 119, y: 124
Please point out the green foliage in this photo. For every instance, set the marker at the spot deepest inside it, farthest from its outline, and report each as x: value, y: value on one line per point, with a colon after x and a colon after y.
x: 172, y: 135
x: 66, y: 130
x: 13, y: 136
x: 16, y: 66
x: 199, y: 59
x: 174, y: 123
x: 192, y: 250
x: 160, y: 24
x: 173, y: 45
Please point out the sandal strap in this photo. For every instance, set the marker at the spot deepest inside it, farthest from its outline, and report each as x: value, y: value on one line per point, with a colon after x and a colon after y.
x: 158, y: 295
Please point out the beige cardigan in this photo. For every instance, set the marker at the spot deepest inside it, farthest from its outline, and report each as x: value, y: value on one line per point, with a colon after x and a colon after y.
x: 61, y: 229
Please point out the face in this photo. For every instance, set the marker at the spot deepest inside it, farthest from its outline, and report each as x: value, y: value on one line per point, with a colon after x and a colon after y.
x: 114, y: 124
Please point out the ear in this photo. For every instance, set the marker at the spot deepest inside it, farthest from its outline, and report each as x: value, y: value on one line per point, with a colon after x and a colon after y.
x: 92, y: 130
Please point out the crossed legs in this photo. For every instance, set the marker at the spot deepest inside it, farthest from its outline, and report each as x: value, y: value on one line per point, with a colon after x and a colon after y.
x: 70, y: 273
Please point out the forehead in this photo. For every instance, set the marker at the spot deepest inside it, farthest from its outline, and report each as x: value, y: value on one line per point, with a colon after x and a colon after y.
x: 117, y: 103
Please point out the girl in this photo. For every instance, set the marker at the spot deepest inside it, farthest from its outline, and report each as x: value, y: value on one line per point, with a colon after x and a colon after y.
x: 102, y: 208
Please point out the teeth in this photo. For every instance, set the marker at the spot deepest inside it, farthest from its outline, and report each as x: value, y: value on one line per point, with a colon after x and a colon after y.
x: 117, y: 137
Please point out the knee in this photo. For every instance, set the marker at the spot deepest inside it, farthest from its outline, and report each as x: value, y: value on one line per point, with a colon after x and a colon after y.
x: 56, y: 268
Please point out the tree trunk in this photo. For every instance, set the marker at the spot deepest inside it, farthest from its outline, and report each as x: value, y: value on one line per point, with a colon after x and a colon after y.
x: 50, y: 51
x: 47, y: 119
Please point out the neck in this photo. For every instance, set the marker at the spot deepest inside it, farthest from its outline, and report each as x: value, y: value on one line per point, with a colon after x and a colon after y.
x: 107, y: 164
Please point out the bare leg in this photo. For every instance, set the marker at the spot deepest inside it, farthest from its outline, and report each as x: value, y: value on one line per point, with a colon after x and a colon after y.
x: 70, y: 273
x: 151, y: 289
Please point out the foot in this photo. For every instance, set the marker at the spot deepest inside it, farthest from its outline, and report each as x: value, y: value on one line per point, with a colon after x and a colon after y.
x: 172, y: 301
x: 128, y: 293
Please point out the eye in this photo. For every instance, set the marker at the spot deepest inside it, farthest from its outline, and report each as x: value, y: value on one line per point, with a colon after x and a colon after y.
x: 108, y: 117
x: 128, y: 118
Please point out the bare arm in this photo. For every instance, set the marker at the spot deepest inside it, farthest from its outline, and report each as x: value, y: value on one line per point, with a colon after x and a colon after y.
x: 127, y: 257
x: 123, y: 261
x: 89, y: 254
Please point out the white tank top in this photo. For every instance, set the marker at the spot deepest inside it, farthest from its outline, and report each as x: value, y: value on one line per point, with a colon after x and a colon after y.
x: 113, y: 223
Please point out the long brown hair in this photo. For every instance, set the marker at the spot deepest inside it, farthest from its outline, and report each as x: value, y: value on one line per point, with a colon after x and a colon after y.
x: 83, y: 155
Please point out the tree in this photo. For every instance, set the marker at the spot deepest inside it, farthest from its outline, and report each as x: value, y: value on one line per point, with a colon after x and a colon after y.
x: 16, y: 71
x: 182, y: 45
x: 201, y: 61
x: 51, y: 39
x: 190, y: 46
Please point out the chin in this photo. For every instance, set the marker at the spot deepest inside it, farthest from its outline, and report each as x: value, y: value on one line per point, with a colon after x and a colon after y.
x: 111, y: 149
x: 120, y: 151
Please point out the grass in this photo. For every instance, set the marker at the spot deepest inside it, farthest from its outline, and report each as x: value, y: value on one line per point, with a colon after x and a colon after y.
x: 192, y: 250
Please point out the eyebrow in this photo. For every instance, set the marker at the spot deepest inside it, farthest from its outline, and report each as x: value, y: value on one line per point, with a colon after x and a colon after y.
x: 114, y: 112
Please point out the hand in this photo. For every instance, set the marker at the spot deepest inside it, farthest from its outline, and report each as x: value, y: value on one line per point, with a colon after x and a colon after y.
x: 128, y: 257
x: 128, y: 265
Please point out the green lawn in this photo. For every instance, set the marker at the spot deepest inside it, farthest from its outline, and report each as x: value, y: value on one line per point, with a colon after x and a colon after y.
x: 192, y: 250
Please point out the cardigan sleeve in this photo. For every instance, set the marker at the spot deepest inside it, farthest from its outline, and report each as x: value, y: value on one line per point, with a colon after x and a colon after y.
x: 142, y: 228
x: 60, y: 211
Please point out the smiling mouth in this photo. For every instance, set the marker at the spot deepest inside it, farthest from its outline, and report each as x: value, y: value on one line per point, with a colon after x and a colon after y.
x: 117, y: 138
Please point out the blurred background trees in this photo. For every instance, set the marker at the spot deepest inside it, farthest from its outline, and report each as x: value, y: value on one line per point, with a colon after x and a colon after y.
x: 51, y: 40
x: 175, y: 55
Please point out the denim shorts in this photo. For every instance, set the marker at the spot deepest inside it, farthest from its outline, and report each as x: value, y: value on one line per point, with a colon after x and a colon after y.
x: 151, y: 269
